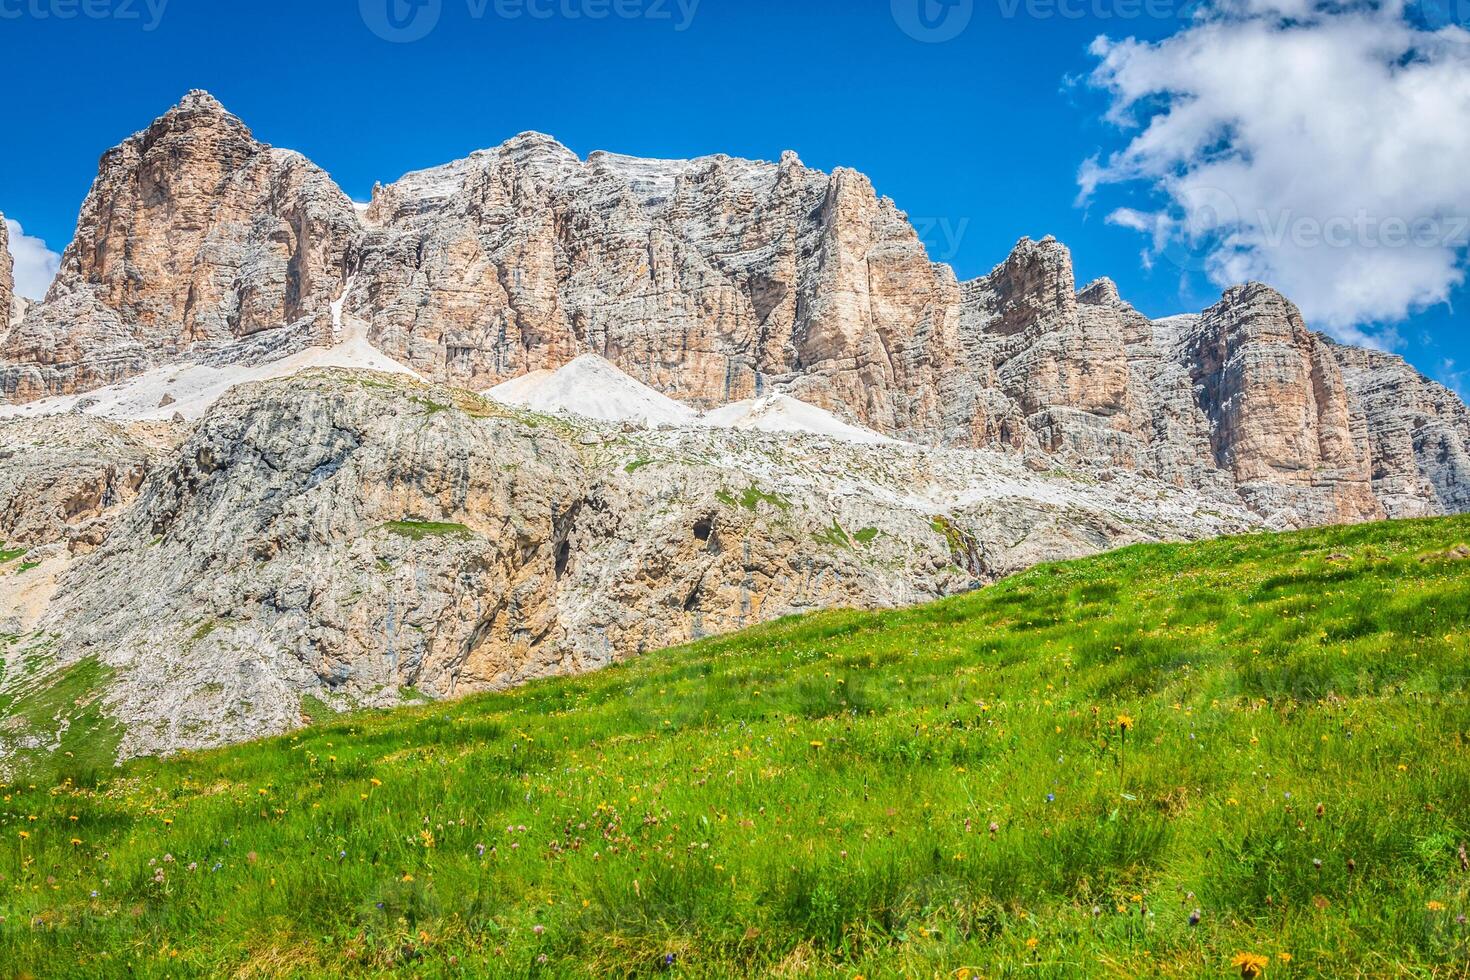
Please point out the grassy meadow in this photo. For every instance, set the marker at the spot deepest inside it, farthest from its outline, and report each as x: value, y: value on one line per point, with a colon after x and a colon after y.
x: 1247, y: 757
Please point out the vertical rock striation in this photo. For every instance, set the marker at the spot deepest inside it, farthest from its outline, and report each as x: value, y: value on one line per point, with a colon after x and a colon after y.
x: 193, y: 236
x: 8, y: 304
x: 1418, y: 434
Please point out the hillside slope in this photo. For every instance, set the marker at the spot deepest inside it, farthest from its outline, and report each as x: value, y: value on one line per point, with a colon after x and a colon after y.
x: 343, y: 538
x: 1151, y: 762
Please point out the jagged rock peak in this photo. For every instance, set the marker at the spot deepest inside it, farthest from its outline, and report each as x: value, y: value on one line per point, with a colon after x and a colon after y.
x: 1283, y: 420
x: 199, y: 99
x: 198, y: 110
x: 193, y: 236
x: 1253, y: 291
x: 533, y: 143
x: 1033, y: 285
x: 1099, y: 292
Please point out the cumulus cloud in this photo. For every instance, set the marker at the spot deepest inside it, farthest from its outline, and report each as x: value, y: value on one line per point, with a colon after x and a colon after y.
x: 1320, y: 147
x: 1452, y: 376
x: 35, y: 264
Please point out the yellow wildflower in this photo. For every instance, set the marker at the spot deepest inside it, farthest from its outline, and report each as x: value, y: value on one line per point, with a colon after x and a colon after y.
x: 1251, y: 965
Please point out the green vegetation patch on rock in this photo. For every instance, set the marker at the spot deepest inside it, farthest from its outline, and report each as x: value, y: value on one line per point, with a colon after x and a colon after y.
x: 419, y: 530
x: 752, y: 497
x: 57, y: 727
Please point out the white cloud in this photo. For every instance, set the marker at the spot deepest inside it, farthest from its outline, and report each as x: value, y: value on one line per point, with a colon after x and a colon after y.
x: 35, y: 264
x: 1455, y: 378
x: 1321, y: 148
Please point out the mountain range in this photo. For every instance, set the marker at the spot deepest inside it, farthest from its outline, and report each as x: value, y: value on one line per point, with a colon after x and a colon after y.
x: 523, y: 414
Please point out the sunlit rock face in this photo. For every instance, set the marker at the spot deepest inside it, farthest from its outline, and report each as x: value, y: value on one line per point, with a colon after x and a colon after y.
x: 194, y: 235
x: 719, y: 280
x: 342, y: 537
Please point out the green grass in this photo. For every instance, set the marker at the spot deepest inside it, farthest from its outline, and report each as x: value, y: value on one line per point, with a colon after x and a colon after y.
x: 916, y: 793
x: 834, y: 536
x: 751, y: 499
x: 11, y: 555
x: 69, y: 736
x: 430, y: 406
x: 419, y: 530
x: 204, y: 630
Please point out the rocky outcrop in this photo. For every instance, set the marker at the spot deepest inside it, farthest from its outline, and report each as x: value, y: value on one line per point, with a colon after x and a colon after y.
x: 713, y: 280
x: 1418, y: 434
x: 345, y: 536
x: 194, y: 235
x: 709, y: 279
x: 7, y: 278
x: 64, y: 480
x: 1281, y: 419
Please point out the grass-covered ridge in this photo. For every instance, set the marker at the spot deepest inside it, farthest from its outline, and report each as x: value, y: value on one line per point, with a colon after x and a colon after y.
x: 1153, y: 762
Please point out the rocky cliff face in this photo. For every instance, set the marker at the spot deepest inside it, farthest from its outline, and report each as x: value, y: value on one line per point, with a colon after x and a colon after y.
x: 1281, y: 417
x: 7, y: 278
x: 63, y: 480
x: 710, y: 279
x: 715, y: 280
x: 1418, y: 434
x: 342, y: 537
x: 194, y: 235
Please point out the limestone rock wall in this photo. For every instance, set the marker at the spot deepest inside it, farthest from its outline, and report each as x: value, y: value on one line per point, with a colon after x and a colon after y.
x: 716, y: 280
x: 7, y: 279
x: 344, y: 536
x: 1281, y: 416
x: 1417, y: 431
x: 194, y: 235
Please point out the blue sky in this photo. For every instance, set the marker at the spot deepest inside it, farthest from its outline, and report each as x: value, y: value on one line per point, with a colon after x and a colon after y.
x: 979, y: 136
